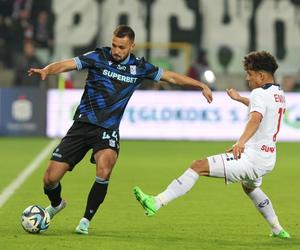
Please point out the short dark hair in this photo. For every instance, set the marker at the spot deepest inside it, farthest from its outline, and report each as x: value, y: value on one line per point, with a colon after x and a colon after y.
x: 123, y: 31
x: 260, y: 61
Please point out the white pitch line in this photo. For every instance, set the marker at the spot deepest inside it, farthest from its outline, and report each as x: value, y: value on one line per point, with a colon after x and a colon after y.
x: 11, y: 188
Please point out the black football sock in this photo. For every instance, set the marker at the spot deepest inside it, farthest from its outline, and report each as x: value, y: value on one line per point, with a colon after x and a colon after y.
x: 54, y: 194
x: 96, y: 197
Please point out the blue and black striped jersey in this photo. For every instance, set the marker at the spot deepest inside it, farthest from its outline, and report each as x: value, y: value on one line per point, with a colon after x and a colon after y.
x: 109, y: 86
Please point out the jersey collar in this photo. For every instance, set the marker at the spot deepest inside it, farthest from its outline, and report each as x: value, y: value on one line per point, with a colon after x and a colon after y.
x: 268, y: 85
x: 126, y: 60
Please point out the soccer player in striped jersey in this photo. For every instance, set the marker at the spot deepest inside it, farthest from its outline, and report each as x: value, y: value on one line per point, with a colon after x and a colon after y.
x: 114, y: 73
x: 251, y: 157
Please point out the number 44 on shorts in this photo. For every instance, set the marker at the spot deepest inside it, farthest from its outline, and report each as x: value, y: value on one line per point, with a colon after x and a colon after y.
x: 113, y: 137
x: 106, y: 135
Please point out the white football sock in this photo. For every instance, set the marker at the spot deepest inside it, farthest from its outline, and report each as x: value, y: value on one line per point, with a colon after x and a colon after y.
x: 177, y: 188
x: 264, y: 206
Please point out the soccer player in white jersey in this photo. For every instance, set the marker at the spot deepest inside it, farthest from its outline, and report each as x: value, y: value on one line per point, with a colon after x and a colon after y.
x: 251, y: 157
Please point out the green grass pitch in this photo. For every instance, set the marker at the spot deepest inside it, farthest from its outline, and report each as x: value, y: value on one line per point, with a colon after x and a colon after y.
x: 212, y: 216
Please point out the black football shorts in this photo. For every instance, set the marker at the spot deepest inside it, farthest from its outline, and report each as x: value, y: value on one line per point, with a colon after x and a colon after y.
x: 82, y: 137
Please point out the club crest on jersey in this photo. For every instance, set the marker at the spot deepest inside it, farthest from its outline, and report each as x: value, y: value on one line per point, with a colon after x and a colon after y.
x: 133, y: 69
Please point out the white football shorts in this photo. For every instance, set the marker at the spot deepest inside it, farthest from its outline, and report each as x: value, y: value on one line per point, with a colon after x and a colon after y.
x: 243, y: 170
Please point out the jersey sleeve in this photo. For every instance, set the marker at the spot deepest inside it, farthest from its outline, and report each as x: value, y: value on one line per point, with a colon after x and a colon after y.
x: 257, y: 102
x: 153, y: 72
x: 85, y: 61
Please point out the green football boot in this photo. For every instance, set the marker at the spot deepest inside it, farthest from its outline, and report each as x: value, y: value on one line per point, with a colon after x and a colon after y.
x: 281, y: 235
x: 147, y: 201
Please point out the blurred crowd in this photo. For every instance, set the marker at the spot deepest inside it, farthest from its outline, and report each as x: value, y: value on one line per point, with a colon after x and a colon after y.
x: 291, y: 83
x: 26, y: 36
x: 27, y: 40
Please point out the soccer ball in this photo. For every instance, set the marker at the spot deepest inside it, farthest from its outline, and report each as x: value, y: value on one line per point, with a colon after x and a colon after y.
x: 35, y: 219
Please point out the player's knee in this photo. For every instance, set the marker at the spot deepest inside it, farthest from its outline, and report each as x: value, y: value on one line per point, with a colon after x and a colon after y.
x: 200, y: 166
x: 104, y: 172
x: 54, y: 172
x: 48, y: 181
x: 50, y: 178
x: 247, y: 190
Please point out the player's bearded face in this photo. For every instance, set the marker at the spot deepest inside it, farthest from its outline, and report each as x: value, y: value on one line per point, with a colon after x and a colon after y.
x: 121, y: 47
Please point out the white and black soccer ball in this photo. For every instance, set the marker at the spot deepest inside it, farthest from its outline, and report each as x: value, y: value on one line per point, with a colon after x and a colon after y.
x: 35, y: 219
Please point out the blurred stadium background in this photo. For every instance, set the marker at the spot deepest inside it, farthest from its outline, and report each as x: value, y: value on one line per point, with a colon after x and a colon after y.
x: 204, y: 39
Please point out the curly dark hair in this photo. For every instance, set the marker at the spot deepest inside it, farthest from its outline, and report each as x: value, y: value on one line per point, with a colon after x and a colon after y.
x: 260, y: 61
x: 123, y: 31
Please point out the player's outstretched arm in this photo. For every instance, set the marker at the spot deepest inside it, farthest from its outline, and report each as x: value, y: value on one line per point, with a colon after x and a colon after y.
x: 54, y: 68
x: 252, y: 125
x: 179, y: 79
x: 233, y: 94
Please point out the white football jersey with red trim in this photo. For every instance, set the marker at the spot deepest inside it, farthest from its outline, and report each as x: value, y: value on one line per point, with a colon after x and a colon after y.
x: 268, y: 100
